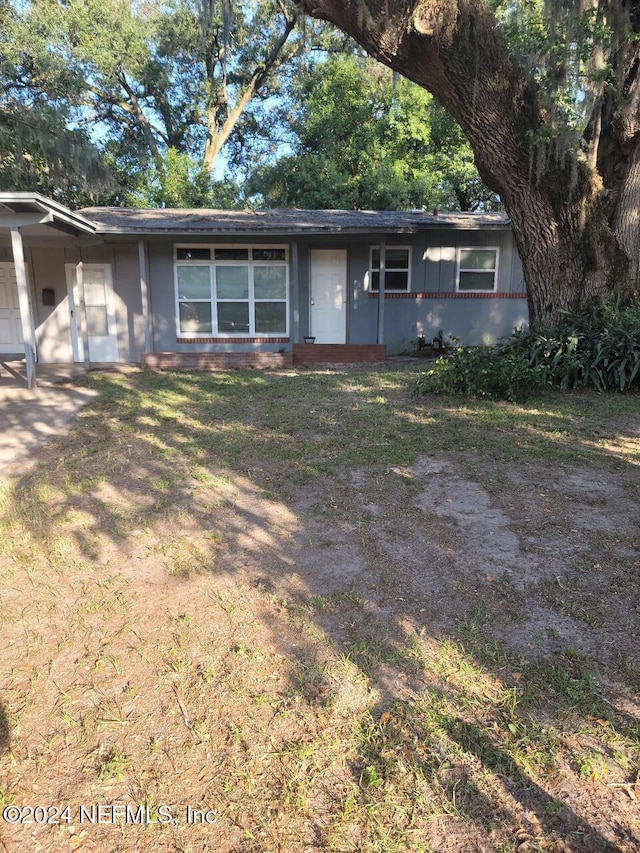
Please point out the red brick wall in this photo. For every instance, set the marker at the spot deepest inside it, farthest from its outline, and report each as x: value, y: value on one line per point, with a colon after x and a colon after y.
x: 338, y: 353
x: 302, y: 354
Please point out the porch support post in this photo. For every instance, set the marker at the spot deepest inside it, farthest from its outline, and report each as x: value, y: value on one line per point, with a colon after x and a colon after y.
x: 294, y: 294
x: 25, y: 307
x: 383, y: 270
x: 144, y: 294
x: 81, y: 314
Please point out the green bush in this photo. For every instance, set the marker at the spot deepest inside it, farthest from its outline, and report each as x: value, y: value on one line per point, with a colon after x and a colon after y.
x: 498, y: 372
x: 598, y: 348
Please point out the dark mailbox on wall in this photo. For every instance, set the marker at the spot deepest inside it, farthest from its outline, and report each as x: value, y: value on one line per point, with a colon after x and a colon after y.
x: 48, y: 296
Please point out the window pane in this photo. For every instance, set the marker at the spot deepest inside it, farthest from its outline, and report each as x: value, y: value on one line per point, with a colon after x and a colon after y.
x: 270, y: 282
x: 477, y: 259
x: 96, y: 320
x: 93, y: 276
x: 195, y: 317
x: 194, y: 283
x: 392, y: 280
x: 271, y: 317
x: 476, y: 281
x: 232, y: 282
x: 234, y: 254
x: 269, y: 255
x: 193, y: 254
x: 233, y: 316
x: 397, y: 259
x: 94, y: 293
x: 396, y: 280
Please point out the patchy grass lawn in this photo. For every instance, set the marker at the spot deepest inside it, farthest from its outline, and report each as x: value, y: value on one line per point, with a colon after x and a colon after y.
x: 324, y: 615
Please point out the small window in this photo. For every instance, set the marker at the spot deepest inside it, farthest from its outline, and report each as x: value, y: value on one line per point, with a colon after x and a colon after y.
x: 477, y: 269
x: 193, y: 254
x: 269, y: 255
x: 233, y: 254
x: 397, y: 268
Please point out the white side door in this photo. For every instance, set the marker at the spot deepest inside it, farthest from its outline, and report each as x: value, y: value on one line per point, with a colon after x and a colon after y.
x: 328, y: 319
x: 11, y: 339
x: 99, y: 312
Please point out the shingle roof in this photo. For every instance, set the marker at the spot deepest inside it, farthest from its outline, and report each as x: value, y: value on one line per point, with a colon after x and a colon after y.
x: 120, y: 220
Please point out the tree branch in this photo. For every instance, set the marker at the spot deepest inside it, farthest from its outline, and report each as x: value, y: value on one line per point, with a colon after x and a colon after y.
x: 218, y: 135
x: 136, y: 110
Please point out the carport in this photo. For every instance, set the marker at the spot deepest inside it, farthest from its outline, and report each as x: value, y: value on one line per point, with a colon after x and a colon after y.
x: 35, y: 216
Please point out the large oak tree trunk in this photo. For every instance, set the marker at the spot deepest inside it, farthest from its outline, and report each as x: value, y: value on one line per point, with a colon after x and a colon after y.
x: 573, y: 204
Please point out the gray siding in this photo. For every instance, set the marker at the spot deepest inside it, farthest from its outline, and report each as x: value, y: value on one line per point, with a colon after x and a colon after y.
x: 53, y: 323
x: 432, y: 305
x: 472, y: 319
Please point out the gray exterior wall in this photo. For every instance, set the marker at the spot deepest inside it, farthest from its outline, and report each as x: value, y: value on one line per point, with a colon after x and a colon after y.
x: 46, y: 269
x: 53, y: 323
x: 431, y: 306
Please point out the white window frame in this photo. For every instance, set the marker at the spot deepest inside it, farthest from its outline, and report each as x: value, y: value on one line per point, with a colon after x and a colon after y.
x: 251, y: 264
x: 460, y: 269
x: 407, y: 249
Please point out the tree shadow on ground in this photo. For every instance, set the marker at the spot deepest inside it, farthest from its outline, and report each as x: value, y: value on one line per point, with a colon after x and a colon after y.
x: 5, y: 732
x: 299, y: 490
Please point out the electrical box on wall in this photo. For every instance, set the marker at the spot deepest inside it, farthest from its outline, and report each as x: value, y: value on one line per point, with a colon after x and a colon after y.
x: 48, y: 296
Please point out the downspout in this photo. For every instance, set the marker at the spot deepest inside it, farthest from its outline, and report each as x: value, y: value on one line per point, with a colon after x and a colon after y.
x: 381, y: 283
x: 294, y: 294
x: 144, y: 295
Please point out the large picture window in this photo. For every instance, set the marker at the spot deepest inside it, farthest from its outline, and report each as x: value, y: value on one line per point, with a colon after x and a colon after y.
x: 240, y: 290
x: 397, y: 267
x: 477, y: 269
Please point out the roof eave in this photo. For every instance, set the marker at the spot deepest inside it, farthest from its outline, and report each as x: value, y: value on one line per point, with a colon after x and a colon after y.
x: 47, y: 205
x: 289, y: 232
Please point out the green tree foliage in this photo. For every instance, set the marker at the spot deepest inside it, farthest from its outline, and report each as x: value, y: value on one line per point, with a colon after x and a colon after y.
x: 362, y: 139
x: 161, y: 86
x: 41, y: 145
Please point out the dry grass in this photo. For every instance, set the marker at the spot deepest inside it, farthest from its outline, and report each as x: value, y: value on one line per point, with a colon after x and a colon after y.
x: 324, y: 615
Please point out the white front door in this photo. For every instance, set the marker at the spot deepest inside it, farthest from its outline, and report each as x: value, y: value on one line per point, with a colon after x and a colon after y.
x: 99, y: 312
x: 329, y: 295
x: 11, y: 339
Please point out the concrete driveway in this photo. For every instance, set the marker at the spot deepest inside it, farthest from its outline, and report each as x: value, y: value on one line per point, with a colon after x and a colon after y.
x: 29, y: 417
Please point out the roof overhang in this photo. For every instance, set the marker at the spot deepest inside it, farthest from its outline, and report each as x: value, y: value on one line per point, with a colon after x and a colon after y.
x: 24, y: 209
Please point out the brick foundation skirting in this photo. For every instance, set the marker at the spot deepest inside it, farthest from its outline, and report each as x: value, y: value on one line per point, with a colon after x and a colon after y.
x: 451, y: 295
x: 215, y: 360
x: 227, y: 340
x: 338, y: 353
